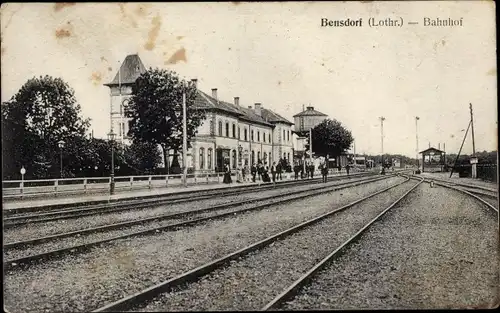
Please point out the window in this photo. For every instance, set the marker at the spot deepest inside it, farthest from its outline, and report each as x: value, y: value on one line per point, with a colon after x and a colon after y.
x: 209, y: 159
x: 288, y: 156
x: 227, y: 129
x: 246, y: 137
x: 220, y: 128
x: 258, y: 136
x: 202, y: 158
x: 239, y: 133
x: 264, y: 137
x: 234, y: 131
x: 258, y: 156
x: 252, y: 135
x: 284, y: 137
x: 288, y: 135
x: 269, y: 137
x: 211, y: 127
x: 129, y: 125
x: 253, y: 157
x: 284, y: 155
x: 234, y: 159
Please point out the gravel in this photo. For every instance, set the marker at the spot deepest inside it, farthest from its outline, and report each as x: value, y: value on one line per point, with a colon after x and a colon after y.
x: 252, y: 282
x: 14, y: 253
x: 437, y: 250
x: 36, y: 230
x: 106, y: 273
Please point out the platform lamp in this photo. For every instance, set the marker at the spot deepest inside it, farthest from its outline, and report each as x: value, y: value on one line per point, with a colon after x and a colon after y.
x: 111, y: 137
x: 61, y: 143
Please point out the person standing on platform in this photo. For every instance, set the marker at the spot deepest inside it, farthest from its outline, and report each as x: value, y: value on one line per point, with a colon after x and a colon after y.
x: 254, y: 172
x: 324, y: 172
x: 347, y: 167
x: 227, y: 175
x: 296, y: 169
x: 311, y: 170
x: 273, y: 171
x: 279, y: 169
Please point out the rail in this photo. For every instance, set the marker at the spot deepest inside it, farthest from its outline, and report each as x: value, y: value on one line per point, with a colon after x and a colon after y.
x: 15, y: 189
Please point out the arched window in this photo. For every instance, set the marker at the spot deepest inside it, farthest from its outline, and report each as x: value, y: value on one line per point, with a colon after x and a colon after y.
x: 234, y: 131
x: 258, y: 136
x: 252, y: 135
x: 227, y: 129
x: 211, y: 127
x: 284, y: 137
x: 234, y: 158
x: 209, y: 159
x: 239, y: 133
x: 220, y: 128
x: 258, y: 156
x: 246, y: 135
x: 202, y: 158
x: 253, y: 157
x: 288, y: 135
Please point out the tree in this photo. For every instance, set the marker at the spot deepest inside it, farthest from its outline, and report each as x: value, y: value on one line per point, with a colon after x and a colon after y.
x: 155, y: 108
x: 330, y: 137
x: 43, y: 112
x: 143, y: 157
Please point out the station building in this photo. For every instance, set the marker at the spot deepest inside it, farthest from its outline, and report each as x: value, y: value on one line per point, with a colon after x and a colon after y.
x: 231, y: 134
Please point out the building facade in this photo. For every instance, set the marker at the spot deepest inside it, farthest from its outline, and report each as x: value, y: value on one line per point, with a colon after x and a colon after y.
x: 231, y: 133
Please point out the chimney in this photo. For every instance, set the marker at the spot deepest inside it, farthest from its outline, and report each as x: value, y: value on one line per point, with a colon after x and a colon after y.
x: 237, y: 101
x: 214, y: 93
x: 310, y: 108
x: 257, y: 109
x: 195, y: 82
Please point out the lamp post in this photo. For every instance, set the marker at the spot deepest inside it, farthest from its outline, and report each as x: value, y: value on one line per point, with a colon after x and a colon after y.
x: 23, y: 171
x: 111, y: 137
x: 61, y: 143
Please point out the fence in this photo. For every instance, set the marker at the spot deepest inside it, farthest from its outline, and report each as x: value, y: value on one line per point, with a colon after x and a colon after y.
x: 21, y: 188
x: 13, y: 189
x: 487, y: 172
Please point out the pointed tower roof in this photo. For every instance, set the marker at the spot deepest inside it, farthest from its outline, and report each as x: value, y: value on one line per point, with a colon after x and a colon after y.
x: 130, y: 70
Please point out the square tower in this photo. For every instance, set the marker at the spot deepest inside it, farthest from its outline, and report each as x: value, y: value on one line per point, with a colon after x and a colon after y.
x: 120, y: 91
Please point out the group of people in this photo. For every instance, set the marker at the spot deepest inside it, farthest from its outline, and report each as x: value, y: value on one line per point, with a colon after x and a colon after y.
x: 260, y: 172
x: 256, y: 172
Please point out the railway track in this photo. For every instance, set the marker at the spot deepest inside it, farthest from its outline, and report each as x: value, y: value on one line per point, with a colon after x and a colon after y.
x: 478, y: 190
x: 19, y: 219
x: 183, y: 280
x: 22, y: 249
x: 471, y: 191
x: 325, y: 292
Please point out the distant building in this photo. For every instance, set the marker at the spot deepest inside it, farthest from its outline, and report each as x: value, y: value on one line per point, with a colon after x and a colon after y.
x: 231, y: 133
x: 308, y: 119
x: 304, y: 121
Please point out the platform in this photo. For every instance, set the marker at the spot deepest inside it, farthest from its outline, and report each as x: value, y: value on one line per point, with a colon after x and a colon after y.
x: 120, y: 195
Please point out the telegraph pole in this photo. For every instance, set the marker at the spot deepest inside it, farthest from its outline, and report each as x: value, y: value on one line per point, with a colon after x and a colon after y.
x: 472, y: 129
x: 310, y: 145
x: 416, y: 136
x: 382, y: 119
x: 184, y: 135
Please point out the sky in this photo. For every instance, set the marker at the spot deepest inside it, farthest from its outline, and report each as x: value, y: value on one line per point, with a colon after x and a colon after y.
x: 279, y: 55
